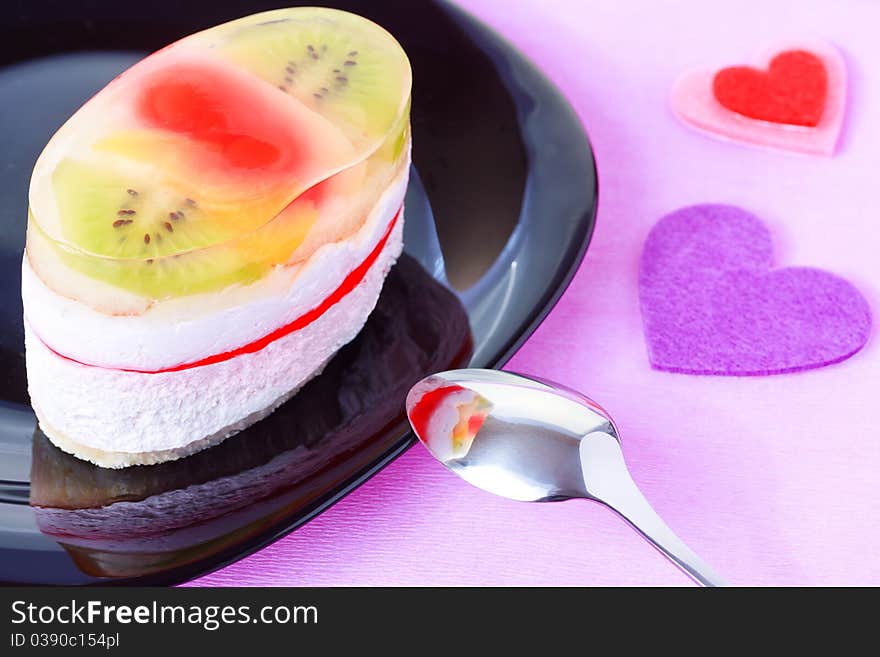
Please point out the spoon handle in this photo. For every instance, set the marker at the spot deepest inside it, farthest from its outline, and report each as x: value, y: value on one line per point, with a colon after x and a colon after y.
x: 608, y: 481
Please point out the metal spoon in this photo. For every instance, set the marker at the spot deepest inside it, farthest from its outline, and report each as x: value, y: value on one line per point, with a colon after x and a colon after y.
x: 536, y: 441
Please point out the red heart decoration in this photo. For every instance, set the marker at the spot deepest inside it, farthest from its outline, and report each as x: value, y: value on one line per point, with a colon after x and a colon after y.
x: 791, y: 91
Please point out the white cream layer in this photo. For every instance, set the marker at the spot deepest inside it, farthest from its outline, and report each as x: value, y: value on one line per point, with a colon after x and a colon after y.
x: 129, y: 415
x: 188, y: 329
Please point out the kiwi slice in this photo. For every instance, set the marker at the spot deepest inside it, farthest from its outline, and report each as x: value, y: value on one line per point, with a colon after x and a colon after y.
x: 151, y: 240
x: 343, y: 66
x: 130, y: 216
x: 151, y: 278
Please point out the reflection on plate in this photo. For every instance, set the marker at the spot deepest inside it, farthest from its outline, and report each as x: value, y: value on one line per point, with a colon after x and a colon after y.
x: 132, y: 522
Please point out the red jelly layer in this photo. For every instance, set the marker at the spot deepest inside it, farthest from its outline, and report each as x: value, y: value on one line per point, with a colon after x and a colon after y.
x: 348, y: 284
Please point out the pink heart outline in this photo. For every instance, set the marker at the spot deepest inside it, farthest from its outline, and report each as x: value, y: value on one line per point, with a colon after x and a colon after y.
x: 695, y: 105
x: 713, y: 304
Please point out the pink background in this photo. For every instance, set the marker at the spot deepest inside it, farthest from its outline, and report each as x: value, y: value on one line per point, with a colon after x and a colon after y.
x: 773, y: 480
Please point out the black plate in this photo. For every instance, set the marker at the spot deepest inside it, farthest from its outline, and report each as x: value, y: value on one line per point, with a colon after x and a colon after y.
x: 499, y: 214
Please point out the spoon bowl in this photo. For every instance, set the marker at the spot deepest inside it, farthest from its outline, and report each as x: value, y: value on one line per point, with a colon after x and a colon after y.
x: 532, y: 440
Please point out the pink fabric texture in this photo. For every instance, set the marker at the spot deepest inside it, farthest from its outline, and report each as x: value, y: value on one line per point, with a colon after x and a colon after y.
x: 773, y: 480
x: 711, y: 303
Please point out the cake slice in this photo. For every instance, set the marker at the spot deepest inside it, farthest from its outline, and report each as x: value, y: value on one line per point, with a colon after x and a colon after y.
x: 209, y: 229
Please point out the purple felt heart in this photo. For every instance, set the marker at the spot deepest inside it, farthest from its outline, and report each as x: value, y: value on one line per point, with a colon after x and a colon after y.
x: 711, y: 303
